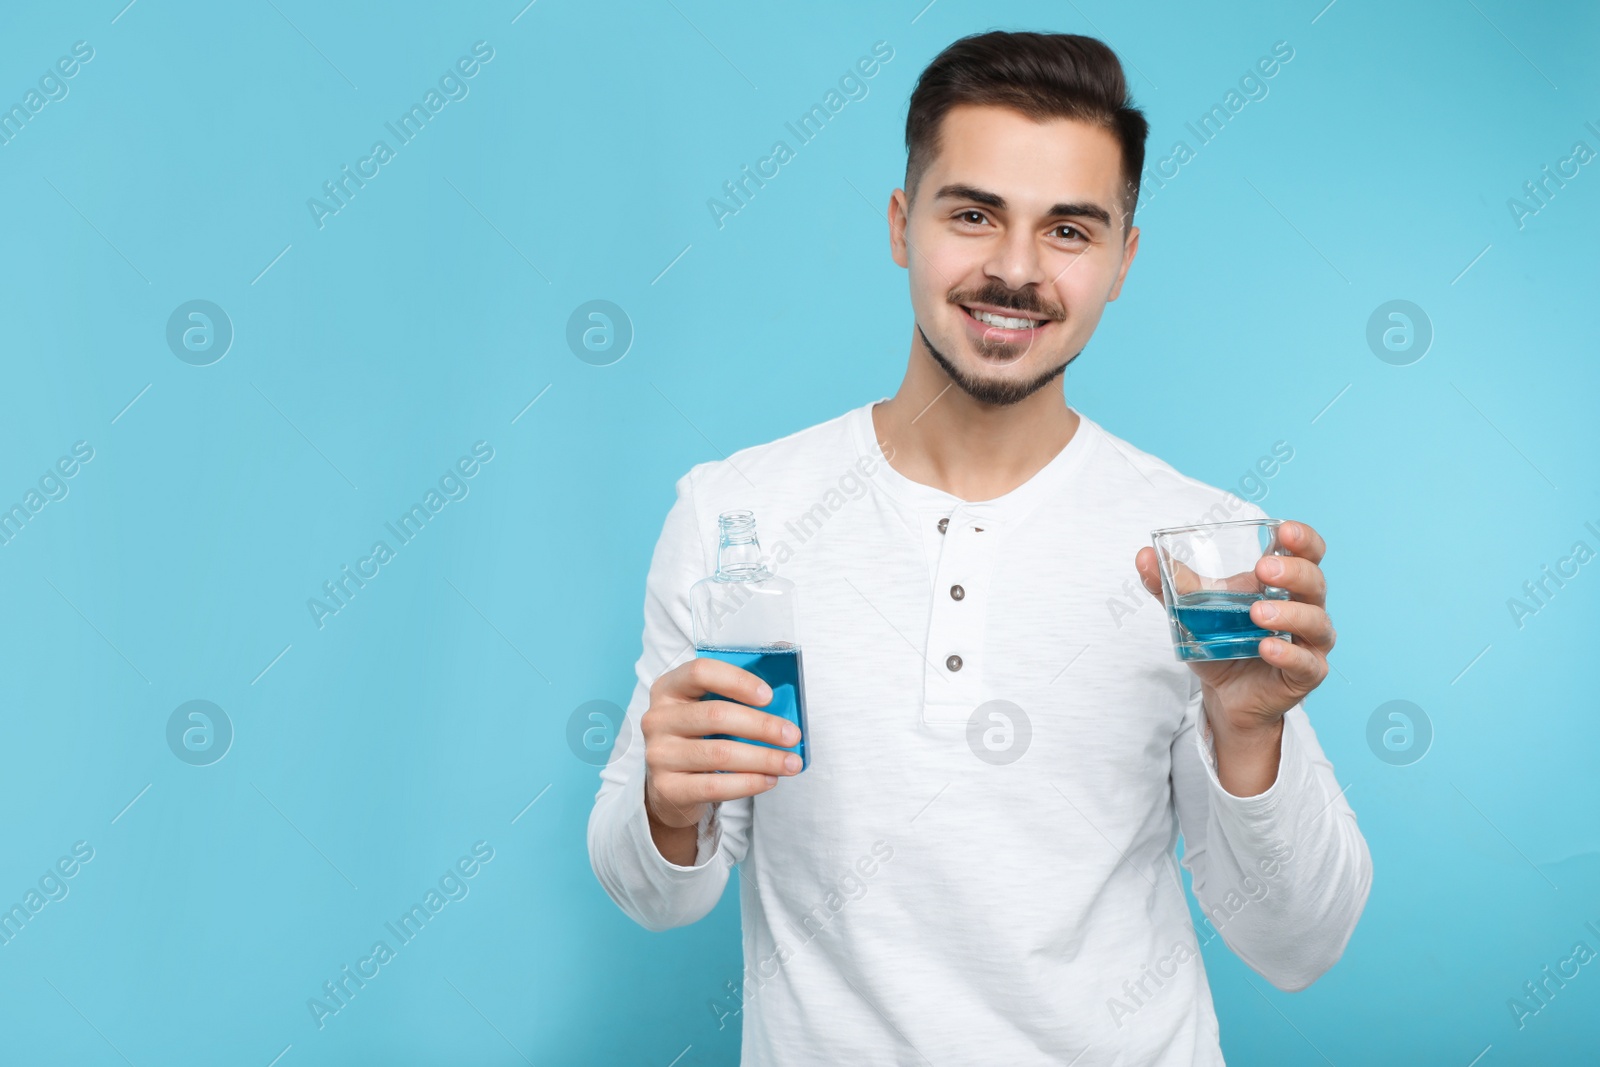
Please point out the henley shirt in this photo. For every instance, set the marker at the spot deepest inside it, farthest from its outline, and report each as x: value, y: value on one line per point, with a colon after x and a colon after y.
x: 978, y: 866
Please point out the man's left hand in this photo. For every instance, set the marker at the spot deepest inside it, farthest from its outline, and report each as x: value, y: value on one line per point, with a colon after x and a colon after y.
x: 1245, y: 699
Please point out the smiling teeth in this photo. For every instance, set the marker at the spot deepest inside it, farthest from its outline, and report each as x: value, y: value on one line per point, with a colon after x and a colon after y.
x: 1003, y: 322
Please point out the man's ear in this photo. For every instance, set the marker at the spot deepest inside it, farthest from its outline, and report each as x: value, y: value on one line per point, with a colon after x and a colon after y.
x: 899, y: 216
x: 1130, y: 248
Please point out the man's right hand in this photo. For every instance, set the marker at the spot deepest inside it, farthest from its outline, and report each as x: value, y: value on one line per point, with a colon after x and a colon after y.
x: 680, y: 762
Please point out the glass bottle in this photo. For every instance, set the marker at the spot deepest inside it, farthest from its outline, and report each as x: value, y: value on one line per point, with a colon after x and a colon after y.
x: 746, y: 615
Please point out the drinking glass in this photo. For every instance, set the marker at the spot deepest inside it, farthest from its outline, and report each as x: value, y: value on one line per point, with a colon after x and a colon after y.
x: 1208, y: 583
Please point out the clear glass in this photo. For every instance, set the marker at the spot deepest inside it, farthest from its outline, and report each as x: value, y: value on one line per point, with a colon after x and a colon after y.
x: 1208, y: 583
x: 746, y: 615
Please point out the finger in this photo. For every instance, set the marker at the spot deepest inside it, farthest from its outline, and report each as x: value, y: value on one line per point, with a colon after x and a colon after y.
x: 1308, y: 622
x: 1145, y: 562
x: 723, y: 717
x: 708, y: 788
x: 703, y: 675
x: 1303, y: 669
x: 1184, y: 579
x: 1301, y: 577
x: 1243, y: 582
x: 723, y: 754
x: 1303, y: 541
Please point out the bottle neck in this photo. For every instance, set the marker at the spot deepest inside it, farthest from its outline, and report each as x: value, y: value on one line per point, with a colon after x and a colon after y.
x: 738, y: 550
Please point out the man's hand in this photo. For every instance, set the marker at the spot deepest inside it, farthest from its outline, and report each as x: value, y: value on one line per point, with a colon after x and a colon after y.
x: 680, y: 762
x: 1245, y: 699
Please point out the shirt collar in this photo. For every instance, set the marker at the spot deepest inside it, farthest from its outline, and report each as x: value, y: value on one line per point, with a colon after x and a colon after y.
x: 1006, y: 509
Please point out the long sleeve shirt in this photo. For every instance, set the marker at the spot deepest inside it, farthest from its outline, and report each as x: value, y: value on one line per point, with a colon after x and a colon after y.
x: 979, y: 866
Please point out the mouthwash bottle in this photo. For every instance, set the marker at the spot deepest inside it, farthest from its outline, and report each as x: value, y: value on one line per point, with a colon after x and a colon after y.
x: 745, y: 615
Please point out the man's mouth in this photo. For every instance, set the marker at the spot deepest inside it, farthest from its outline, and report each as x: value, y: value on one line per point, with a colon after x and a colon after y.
x: 997, y: 320
x: 1003, y: 322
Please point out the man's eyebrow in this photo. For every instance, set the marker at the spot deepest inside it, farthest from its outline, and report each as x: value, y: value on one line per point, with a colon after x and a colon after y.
x: 1084, y: 210
x: 1081, y: 211
x: 969, y: 192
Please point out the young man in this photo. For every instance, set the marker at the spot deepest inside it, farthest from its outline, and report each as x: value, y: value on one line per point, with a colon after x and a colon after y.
x: 978, y: 865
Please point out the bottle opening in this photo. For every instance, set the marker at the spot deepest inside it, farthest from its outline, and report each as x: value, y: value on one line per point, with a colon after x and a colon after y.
x: 737, y: 527
x: 738, y: 550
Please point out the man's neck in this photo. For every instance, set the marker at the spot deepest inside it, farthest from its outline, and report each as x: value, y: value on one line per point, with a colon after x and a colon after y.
x: 934, y: 433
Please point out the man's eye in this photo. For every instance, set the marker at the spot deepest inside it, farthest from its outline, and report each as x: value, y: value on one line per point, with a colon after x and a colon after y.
x: 974, y: 217
x: 1072, y: 233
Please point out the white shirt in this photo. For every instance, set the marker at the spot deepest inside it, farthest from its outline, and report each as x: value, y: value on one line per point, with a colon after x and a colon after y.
x: 1004, y: 892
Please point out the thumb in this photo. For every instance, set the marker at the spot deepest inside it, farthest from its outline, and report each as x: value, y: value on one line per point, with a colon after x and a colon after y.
x: 1149, y: 573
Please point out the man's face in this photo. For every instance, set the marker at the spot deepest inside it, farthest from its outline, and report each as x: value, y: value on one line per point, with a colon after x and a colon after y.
x: 1014, y: 245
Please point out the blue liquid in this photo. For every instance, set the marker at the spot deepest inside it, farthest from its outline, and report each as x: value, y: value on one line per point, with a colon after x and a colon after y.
x: 779, y: 667
x: 1215, y: 624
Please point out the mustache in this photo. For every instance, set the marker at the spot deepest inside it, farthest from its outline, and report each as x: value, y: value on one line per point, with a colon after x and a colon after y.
x: 1026, y: 301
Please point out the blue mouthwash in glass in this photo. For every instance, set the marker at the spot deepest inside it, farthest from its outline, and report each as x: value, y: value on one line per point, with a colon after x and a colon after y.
x: 745, y: 615
x: 1216, y: 624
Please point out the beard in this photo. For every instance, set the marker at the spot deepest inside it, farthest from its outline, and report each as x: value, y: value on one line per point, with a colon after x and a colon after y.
x: 998, y: 393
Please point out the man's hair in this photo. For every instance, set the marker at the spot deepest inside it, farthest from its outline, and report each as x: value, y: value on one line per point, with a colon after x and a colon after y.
x: 1042, y: 75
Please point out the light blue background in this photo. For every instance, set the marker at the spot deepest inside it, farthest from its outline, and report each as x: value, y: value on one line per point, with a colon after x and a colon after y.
x: 428, y: 313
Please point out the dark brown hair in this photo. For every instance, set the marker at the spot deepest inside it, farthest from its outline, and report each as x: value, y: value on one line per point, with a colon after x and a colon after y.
x: 1042, y: 75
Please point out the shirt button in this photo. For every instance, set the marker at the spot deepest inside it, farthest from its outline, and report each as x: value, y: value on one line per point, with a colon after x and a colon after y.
x: 944, y: 523
x: 956, y: 592
x: 953, y: 663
